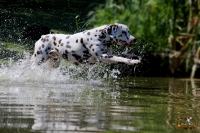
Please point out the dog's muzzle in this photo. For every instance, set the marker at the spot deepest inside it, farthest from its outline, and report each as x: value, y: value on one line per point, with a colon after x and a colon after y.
x: 128, y: 42
x: 131, y: 42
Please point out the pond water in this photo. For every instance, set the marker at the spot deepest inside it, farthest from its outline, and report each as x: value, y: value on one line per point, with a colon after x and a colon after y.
x: 37, y: 100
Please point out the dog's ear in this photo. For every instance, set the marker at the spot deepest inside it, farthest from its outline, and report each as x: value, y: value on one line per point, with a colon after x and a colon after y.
x: 112, y: 29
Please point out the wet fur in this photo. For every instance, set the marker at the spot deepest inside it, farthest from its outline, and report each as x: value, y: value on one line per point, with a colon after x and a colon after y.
x: 84, y: 48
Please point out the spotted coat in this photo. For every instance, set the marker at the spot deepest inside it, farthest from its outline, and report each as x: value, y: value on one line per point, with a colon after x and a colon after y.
x: 84, y: 48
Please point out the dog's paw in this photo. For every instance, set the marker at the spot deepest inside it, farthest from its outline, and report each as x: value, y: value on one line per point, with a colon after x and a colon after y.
x: 133, y: 62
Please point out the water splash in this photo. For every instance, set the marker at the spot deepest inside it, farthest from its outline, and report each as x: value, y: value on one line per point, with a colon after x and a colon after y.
x: 24, y: 71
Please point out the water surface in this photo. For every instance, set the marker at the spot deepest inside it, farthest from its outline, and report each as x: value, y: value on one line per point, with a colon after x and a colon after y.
x: 48, y: 101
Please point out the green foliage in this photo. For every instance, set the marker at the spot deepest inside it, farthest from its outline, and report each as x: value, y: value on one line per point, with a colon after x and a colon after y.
x: 147, y: 19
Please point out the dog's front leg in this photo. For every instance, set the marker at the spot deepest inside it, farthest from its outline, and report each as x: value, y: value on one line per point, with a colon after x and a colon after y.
x: 116, y: 59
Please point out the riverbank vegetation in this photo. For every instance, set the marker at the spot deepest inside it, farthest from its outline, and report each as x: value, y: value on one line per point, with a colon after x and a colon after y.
x: 171, y: 27
x: 167, y: 31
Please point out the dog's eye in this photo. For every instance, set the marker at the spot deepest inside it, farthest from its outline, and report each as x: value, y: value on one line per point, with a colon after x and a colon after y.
x: 124, y: 32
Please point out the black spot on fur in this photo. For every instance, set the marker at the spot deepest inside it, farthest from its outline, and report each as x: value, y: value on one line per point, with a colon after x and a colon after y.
x: 59, y: 41
x: 86, y: 55
x: 67, y: 37
x: 81, y: 40
x: 65, y: 56
x: 54, y: 38
x: 84, y: 46
x: 68, y: 46
x: 54, y: 43
x: 102, y: 37
x: 57, y: 49
x: 78, y: 58
x: 86, y: 52
x: 109, y: 30
x: 90, y: 46
x: 42, y: 59
x: 120, y: 35
x: 39, y: 52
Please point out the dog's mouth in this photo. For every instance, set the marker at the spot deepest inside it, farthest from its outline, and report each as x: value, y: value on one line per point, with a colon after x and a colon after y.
x: 125, y: 43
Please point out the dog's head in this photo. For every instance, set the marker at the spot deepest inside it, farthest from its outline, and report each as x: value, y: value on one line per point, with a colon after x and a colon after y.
x: 120, y: 33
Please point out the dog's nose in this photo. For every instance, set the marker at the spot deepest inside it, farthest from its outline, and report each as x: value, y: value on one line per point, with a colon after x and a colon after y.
x: 134, y: 40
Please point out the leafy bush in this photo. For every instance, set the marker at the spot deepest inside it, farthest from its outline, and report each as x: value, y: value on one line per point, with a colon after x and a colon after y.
x: 147, y: 19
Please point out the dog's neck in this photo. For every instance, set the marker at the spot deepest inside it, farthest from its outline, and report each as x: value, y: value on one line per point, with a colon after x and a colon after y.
x: 105, y: 37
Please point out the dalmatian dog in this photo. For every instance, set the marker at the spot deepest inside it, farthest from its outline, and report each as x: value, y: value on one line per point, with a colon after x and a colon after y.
x: 84, y: 48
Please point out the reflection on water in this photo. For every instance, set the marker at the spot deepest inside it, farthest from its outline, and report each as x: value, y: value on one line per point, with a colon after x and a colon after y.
x: 113, y: 105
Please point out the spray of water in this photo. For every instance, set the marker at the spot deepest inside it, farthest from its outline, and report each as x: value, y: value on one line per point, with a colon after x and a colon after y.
x: 24, y: 71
